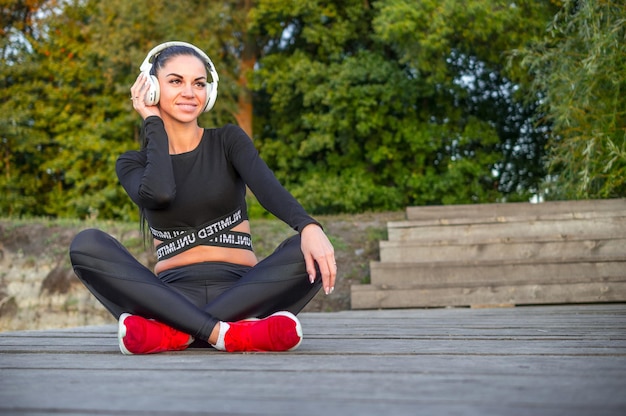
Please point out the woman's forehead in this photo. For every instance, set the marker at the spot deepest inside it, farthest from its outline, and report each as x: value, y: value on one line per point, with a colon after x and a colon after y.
x: 185, y: 63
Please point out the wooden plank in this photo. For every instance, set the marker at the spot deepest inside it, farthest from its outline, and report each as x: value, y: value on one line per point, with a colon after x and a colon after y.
x: 442, y: 251
x: 529, y: 250
x: 610, y: 227
x: 377, y: 297
x: 492, y: 273
x: 489, y: 239
x: 460, y: 220
x: 513, y: 209
x: 474, y: 362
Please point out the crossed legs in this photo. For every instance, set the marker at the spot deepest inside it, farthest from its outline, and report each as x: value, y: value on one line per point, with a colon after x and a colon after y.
x: 123, y: 285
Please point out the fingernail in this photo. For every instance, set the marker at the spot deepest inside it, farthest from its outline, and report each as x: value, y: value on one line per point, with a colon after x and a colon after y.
x: 327, y: 291
x: 332, y: 289
x: 311, y: 278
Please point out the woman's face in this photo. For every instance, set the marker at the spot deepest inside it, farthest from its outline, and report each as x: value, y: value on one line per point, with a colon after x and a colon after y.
x: 183, y: 88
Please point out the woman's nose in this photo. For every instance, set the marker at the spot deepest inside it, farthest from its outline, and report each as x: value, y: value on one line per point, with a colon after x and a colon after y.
x: 188, y: 90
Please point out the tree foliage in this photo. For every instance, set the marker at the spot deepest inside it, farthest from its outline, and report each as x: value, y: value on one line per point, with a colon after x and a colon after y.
x: 65, y: 115
x: 398, y: 102
x: 580, y: 68
x: 357, y: 105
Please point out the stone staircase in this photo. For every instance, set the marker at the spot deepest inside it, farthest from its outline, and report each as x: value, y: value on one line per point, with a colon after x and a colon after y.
x: 500, y: 255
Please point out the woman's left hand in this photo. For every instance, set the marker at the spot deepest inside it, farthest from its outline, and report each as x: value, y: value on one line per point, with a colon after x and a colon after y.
x: 318, y: 249
x: 138, y: 95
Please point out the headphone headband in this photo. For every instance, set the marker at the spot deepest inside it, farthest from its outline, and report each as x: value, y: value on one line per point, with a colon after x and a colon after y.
x: 146, y: 67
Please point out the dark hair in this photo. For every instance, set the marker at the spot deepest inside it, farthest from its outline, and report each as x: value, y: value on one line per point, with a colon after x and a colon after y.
x: 166, y: 54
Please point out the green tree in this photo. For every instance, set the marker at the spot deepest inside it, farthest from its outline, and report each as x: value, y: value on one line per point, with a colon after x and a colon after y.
x: 64, y: 109
x: 66, y: 122
x: 382, y: 104
x: 579, y: 69
x: 357, y: 105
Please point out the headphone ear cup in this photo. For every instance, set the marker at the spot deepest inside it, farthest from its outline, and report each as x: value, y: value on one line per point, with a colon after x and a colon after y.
x: 153, y: 94
x: 211, y: 96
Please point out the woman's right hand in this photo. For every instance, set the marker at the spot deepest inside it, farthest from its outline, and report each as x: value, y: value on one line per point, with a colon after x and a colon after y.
x: 138, y: 95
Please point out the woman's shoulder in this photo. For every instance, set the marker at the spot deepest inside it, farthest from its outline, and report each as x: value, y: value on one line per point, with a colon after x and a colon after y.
x: 133, y: 156
x: 229, y: 135
x: 228, y: 131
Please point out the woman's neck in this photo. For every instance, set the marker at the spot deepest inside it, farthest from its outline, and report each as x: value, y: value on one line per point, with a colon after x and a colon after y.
x: 183, y: 137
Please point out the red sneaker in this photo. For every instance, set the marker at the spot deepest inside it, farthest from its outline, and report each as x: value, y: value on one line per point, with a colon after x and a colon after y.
x: 139, y: 335
x: 280, y: 331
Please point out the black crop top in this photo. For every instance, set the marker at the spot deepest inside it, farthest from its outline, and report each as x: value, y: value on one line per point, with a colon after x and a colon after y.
x: 201, y: 193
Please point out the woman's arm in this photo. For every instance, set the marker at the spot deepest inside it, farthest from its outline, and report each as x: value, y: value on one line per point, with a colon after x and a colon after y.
x: 261, y: 180
x: 316, y: 246
x: 147, y: 176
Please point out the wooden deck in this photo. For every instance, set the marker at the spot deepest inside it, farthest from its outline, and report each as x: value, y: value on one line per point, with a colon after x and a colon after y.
x: 536, y: 360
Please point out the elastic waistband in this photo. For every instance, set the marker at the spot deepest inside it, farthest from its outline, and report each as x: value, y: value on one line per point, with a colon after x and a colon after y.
x: 215, y: 233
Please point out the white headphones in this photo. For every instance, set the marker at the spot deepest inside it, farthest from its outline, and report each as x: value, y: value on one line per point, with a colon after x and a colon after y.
x: 153, y: 94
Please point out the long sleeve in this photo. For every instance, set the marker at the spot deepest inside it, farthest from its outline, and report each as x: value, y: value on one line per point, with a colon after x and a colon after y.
x: 262, y: 182
x: 147, y: 176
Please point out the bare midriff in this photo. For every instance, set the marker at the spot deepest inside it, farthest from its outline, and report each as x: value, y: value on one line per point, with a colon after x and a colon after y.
x: 201, y: 254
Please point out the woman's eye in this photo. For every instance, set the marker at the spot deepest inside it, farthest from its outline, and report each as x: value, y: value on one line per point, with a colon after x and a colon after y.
x: 201, y: 84
x: 175, y: 81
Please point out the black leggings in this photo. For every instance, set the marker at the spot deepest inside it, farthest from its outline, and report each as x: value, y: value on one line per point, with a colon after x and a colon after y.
x: 192, y: 298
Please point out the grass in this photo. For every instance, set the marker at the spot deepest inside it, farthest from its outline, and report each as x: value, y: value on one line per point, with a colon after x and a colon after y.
x: 42, y: 244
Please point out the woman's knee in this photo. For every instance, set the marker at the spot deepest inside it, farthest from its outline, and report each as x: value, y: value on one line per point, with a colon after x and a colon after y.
x: 291, y: 248
x: 286, y: 261
x: 87, y: 242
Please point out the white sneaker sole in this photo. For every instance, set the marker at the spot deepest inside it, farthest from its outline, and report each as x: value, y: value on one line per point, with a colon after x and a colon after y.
x: 121, y: 333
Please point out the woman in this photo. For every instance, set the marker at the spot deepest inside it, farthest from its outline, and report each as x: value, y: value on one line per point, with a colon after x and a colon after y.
x: 190, y: 184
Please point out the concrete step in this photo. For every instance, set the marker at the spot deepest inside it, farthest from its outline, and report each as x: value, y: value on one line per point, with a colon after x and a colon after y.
x: 470, y: 274
x: 519, y: 209
x: 501, y: 254
x: 524, y: 218
x: 612, y: 226
x: 376, y: 297
x: 499, y: 249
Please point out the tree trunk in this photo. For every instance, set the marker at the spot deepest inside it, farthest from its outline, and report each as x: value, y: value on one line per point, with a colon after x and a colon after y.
x: 248, y: 60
